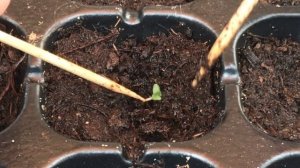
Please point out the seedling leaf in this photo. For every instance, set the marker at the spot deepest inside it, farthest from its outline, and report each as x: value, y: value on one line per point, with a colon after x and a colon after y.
x: 156, y: 93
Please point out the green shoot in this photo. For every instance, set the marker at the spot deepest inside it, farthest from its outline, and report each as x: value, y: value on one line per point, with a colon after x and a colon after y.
x: 156, y: 93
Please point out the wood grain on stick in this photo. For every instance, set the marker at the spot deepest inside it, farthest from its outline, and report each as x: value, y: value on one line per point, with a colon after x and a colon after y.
x: 226, y: 37
x: 66, y: 65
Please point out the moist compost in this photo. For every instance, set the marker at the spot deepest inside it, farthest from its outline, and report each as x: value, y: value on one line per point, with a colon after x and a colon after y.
x: 133, y: 4
x: 284, y: 2
x: 270, y: 72
x: 85, y: 111
x: 11, y: 92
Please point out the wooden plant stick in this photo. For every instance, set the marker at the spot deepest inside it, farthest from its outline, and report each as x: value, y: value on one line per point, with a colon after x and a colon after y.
x: 66, y: 65
x: 226, y: 37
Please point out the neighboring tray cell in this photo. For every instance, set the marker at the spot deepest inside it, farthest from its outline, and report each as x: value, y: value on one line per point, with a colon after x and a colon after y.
x: 283, y: 2
x: 110, y: 160
x: 286, y: 160
x: 90, y: 160
x: 100, y: 115
x: 178, y: 160
x: 268, y: 55
x: 12, y: 73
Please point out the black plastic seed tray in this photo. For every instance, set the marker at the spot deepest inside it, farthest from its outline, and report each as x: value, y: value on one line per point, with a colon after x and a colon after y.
x: 234, y: 143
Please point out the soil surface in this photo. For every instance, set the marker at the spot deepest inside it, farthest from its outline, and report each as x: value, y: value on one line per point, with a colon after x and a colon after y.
x: 284, y: 2
x: 270, y: 71
x: 85, y: 111
x: 133, y: 4
x: 11, y: 93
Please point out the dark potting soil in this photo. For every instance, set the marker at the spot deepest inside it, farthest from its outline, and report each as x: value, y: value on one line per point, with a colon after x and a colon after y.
x: 133, y: 4
x: 270, y: 72
x: 11, y: 92
x: 284, y: 2
x: 85, y: 111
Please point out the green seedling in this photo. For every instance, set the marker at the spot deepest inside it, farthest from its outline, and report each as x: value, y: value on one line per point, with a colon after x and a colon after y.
x: 156, y: 93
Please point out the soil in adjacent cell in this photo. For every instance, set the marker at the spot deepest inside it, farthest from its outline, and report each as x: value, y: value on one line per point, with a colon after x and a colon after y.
x: 85, y: 111
x: 11, y: 92
x: 284, y: 2
x: 270, y: 71
x: 133, y: 4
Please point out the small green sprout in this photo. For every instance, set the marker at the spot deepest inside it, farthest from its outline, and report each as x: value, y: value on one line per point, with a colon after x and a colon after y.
x: 156, y: 93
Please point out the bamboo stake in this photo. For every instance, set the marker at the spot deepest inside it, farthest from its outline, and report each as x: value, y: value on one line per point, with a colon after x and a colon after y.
x: 3, y: 5
x: 226, y: 37
x: 66, y: 65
